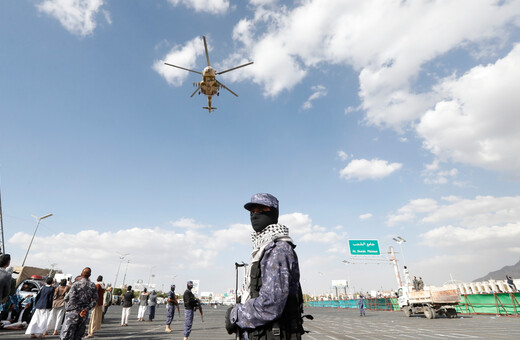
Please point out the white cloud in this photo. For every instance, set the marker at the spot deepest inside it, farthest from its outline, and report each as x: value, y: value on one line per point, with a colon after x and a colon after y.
x: 188, y: 223
x: 365, y: 216
x: 362, y: 169
x: 409, y: 211
x: 477, y: 237
x: 342, y: 155
x: 77, y: 16
x: 477, y: 122
x: 318, y: 92
x: 387, y: 47
x: 396, y: 45
x: 211, y: 6
x: 481, y: 211
x: 168, y: 250
x: 302, y: 229
x: 433, y: 175
x: 183, y: 56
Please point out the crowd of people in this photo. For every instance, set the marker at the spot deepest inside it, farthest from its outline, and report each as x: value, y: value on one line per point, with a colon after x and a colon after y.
x: 57, y: 308
x: 270, y: 307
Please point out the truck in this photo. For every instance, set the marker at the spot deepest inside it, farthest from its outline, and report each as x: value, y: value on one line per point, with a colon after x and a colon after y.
x: 430, y: 301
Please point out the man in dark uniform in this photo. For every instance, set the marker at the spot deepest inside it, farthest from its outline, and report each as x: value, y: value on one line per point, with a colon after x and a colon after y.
x: 190, y: 305
x: 83, y: 297
x: 271, y: 307
x: 172, y: 302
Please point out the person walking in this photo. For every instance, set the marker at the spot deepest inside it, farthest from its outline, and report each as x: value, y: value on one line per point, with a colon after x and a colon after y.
x: 172, y: 303
x: 152, y: 302
x: 58, y: 307
x: 82, y: 298
x: 143, y: 303
x: 128, y: 301
x: 190, y: 305
x: 97, y: 312
x: 271, y: 304
x: 43, y: 307
x: 361, y: 305
x: 107, y: 301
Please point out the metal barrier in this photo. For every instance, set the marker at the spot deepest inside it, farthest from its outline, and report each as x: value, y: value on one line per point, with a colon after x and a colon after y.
x: 503, y: 304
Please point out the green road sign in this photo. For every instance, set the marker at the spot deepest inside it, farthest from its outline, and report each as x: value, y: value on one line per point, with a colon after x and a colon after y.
x: 364, y: 247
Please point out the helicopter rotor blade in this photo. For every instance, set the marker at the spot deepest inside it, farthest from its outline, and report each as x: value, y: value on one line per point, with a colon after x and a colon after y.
x: 198, y: 88
x: 224, y: 86
x: 206, y: 49
x: 182, y: 68
x: 234, y: 68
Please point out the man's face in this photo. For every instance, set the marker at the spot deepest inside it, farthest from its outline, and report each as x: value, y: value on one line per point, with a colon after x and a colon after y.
x: 259, y: 208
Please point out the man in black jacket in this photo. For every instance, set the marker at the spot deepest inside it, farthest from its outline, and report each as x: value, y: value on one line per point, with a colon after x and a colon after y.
x: 190, y: 305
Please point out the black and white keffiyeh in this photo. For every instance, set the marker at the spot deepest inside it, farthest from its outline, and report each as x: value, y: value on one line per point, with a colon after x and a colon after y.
x: 270, y: 233
x: 273, y: 232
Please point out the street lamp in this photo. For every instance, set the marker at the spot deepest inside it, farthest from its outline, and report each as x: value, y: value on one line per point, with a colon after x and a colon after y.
x: 400, y: 241
x: 121, y: 257
x: 348, y: 276
x: 124, y: 277
x: 150, y: 277
x: 35, y: 230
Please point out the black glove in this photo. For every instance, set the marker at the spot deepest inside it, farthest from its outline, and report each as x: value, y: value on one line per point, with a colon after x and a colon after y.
x: 230, y: 327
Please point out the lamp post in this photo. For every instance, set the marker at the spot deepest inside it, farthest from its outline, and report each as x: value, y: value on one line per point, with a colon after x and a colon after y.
x: 400, y: 241
x: 121, y: 258
x: 348, y: 276
x: 150, y: 277
x: 124, y: 277
x: 35, y: 230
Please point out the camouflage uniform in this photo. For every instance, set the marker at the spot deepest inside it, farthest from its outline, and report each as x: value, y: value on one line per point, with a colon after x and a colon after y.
x: 171, y: 307
x: 280, y: 276
x: 82, y: 295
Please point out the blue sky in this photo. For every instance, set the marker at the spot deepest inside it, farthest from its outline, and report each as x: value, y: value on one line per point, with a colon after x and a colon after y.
x: 367, y: 120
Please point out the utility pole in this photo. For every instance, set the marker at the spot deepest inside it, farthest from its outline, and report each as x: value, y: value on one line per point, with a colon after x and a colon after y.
x: 2, y: 245
x: 396, y: 268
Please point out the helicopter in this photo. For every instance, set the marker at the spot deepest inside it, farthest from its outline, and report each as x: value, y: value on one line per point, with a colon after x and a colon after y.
x: 209, y: 86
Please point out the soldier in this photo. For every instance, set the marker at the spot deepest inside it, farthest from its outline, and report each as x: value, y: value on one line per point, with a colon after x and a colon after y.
x: 361, y: 305
x: 172, y: 303
x: 271, y: 305
x: 420, y: 284
x: 83, y: 297
x: 190, y: 305
x: 415, y: 283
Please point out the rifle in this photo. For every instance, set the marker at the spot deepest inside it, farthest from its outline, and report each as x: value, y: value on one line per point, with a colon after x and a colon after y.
x: 239, y: 332
x: 199, y: 307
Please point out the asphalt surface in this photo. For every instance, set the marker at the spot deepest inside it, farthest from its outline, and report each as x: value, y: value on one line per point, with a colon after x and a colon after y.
x: 328, y: 323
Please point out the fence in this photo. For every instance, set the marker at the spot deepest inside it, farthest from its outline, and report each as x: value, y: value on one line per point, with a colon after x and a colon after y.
x: 504, y: 304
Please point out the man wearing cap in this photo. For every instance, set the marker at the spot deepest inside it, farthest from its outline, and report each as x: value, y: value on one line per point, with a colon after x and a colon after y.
x: 270, y: 307
x: 190, y: 305
x: 172, y: 302
x: 83, y: 297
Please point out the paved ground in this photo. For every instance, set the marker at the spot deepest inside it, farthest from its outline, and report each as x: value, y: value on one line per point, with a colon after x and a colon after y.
x: 328, y: 324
